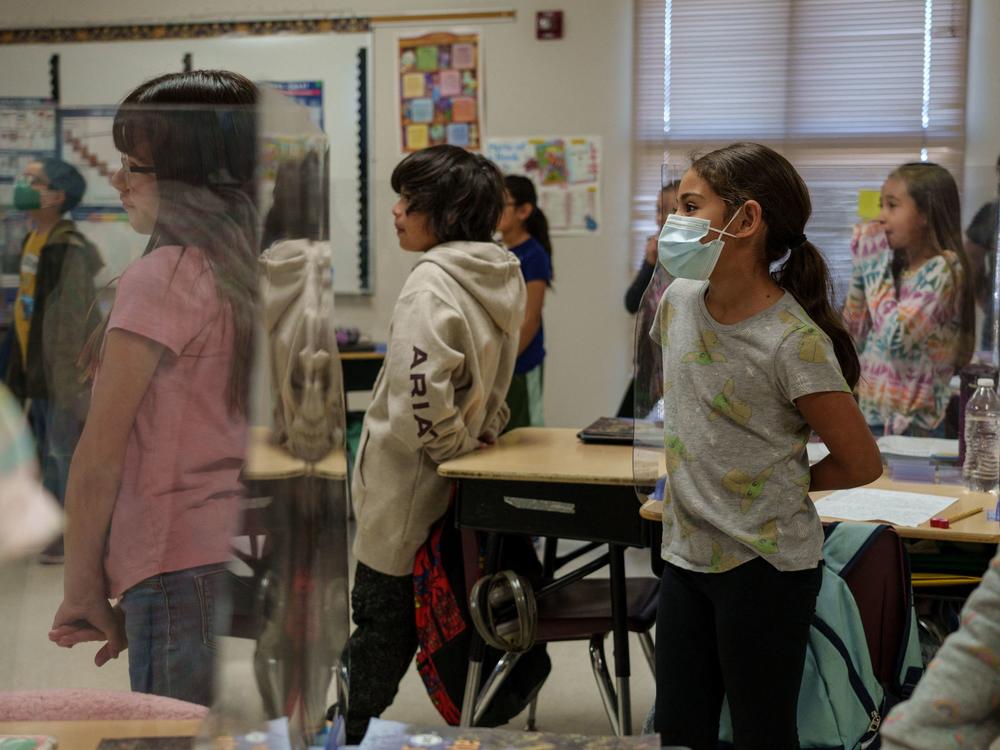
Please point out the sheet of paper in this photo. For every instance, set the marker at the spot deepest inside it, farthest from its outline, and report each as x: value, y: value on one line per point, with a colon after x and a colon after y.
x: 414, y: 85
x: 816, y: 452
x: 421, y: 110
x: 416, y: 137
x: 898, y: 508
x: 463, y: 109
x: 463, y: 56
x: 427, y: 58
x: 903, y: 445
x: 450, y: 83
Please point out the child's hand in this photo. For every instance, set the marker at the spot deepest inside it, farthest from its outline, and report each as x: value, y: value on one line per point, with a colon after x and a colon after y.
x: 97, y: 621
x: 868, y: 240
x: 487, y: 440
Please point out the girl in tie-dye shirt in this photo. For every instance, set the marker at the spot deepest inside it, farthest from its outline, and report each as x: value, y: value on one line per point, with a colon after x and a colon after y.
x: 908, y: 307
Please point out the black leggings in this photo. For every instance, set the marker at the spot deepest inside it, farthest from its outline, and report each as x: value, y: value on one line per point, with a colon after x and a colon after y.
x: 381, y: 647
x: 740, y: 634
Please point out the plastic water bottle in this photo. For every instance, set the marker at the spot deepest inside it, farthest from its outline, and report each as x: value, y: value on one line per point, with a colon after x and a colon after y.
x: 982, y: 439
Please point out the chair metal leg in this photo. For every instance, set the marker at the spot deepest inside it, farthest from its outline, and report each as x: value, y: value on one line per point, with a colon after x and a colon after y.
x: 604, y: 686
x: 531, y: 726
x: 469, y: 699
x: 646, y: 641
x: 493, y: 683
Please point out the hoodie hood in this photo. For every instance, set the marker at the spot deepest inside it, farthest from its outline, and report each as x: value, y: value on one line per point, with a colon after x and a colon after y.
x: 489, y: 273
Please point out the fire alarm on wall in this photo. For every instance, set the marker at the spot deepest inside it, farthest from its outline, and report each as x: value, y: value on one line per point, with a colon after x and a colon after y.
x: 549, y: 24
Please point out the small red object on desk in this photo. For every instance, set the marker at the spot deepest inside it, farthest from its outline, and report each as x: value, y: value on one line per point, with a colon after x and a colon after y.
x: 939, y: 522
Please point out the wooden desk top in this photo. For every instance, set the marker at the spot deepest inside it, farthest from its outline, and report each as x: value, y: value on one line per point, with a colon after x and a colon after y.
x: 354, y: 356
x: 977, y: 528
x: 550, y: 454
x: 545, y: 454
x: 268, y: 461
x: 87, y: 735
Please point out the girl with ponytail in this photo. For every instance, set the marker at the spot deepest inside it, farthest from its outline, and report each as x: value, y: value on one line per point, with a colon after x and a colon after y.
x: 525, y: 232
x: 755, y: 358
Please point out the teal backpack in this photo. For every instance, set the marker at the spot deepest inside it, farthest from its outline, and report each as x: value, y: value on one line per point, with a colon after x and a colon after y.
x: 863, y: 654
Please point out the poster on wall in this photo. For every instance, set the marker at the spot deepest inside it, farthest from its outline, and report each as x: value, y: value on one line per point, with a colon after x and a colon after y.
x: 566, y: 171
x: 307, y: 93
x: 440, y: 93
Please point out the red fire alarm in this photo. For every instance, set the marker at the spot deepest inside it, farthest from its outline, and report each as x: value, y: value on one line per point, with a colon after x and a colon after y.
x: 549, y: 24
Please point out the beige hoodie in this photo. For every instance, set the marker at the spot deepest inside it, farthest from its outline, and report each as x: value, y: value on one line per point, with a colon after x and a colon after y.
x: 452, y: 345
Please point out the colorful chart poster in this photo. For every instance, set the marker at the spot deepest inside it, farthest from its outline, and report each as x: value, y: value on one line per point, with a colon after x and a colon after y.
x: 566, y: 171
x: 440, y: 91
x: 307, y: 93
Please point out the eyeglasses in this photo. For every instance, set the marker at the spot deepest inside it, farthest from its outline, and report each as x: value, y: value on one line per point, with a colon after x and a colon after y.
x: 131, y: 169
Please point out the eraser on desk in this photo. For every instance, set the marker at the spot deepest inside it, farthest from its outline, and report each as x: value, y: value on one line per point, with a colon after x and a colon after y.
x: 940, y: 523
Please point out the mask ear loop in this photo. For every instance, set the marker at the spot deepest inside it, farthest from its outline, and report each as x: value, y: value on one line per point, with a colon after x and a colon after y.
x: 731, y: 220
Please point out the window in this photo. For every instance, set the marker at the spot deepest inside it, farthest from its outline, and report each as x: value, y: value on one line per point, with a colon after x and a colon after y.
x: 845, y: 89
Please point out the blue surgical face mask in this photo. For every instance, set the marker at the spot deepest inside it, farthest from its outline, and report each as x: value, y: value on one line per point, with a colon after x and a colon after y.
x: 680, y: 248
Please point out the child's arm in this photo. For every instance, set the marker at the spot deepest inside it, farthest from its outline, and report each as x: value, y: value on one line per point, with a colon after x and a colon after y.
x: 958, y: 695
x: 856, y: 316
x: 854, y: 458
x: 532, y: 314
x: 424, y: 356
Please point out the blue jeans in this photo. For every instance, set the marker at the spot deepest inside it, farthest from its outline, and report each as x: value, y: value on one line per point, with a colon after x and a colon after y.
x: 171, y: 621
x: 57, y: 431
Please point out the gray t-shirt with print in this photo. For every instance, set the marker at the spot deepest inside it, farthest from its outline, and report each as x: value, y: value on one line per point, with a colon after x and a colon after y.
x: 737, y: 473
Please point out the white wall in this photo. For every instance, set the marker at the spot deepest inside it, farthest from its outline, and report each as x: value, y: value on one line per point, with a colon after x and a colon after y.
x: 982, y: 115
x: 579, y: 85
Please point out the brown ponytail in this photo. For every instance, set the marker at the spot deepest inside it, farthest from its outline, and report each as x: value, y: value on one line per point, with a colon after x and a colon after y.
x: 750, y: 171
x: 806, y: 277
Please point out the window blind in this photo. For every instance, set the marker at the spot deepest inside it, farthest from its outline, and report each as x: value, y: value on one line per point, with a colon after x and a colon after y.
x: 845, y: 89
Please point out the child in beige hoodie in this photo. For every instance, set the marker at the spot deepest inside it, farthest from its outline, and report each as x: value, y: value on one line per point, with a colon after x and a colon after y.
x: 452, y: 345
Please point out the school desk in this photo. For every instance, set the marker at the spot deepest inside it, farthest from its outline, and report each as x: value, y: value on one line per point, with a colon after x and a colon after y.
x: 87, y: 735
x: 361, y: 368
x: 977, y: 528
x: 545, y: 482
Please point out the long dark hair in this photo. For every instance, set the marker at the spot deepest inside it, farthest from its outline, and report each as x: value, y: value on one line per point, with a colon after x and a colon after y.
x: 522, y: 190
x: 750, y: 171
x: 199, y: 131
x: 935, y: 194
x: 300, y: 201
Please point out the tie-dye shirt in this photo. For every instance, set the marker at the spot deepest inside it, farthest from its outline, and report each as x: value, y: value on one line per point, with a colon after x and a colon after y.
x: 735, y: 443
x: 908, y: 341
x: 956, y: 702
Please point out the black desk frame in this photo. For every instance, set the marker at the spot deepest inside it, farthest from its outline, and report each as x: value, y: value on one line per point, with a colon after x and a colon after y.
x: 603, y: 513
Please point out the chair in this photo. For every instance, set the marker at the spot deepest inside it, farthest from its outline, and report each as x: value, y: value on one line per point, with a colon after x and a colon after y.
x: 574, y: 608
x: 78, y: 704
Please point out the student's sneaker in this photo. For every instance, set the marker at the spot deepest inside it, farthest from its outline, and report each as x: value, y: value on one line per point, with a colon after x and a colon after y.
x: 53, y: 554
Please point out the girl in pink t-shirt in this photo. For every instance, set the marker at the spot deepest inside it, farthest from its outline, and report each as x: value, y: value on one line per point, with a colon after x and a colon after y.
x: 153, y: 493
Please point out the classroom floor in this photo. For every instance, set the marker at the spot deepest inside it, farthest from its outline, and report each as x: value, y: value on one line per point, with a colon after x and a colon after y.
x: 30, y: 593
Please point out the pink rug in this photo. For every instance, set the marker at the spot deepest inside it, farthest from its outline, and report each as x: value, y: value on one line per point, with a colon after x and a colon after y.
x: 74, y: 704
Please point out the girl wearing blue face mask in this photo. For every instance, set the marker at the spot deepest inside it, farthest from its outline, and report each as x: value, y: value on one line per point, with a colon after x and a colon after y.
x: 753, y: 362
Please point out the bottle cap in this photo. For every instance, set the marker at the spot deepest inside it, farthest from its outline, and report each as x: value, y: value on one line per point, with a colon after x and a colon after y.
x: 988, y: 382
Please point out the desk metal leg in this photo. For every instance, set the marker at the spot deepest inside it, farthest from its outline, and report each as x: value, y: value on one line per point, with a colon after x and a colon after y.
x: 619, y: 615
x: 477, y: 647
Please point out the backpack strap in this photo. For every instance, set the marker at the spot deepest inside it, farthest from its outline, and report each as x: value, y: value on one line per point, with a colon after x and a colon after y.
x: 847, y: 542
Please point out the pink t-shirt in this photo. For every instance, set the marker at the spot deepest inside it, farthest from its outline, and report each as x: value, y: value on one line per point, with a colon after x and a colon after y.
x: 179, y: 499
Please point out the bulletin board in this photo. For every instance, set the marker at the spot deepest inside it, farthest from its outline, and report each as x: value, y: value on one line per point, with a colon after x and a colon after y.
x: 327, y: 72
x: 440, y: 92
x: 566, y: 172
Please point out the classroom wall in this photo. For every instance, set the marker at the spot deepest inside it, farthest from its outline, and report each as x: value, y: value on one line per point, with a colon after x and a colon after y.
x: 982, y: 116
x: 578, y: 85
